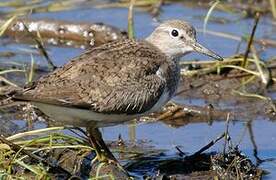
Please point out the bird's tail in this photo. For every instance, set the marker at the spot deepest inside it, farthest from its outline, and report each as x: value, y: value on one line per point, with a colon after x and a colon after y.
x: 7, y: 96
x: 6, y: 101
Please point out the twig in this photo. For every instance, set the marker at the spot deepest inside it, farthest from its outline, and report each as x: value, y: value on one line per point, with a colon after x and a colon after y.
x: 181, y: 153
x: 210, y: 144
x: 155, y: 11
x: 257, y: 17
x: 226, y: 133
x: 169, y: 113
x: 84, y: 136
x: 41, y: 48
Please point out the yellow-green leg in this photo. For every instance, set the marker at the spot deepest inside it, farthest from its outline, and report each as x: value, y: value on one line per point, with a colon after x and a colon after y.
x: 102, y: 151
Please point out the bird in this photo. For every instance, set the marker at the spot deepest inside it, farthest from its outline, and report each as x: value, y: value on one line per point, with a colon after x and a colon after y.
x: 117, y: 81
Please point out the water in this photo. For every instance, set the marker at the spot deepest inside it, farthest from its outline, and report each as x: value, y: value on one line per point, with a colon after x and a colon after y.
x: 193, y: 136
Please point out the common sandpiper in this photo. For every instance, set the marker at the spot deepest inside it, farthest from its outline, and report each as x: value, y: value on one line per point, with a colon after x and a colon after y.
x: 117, y: 81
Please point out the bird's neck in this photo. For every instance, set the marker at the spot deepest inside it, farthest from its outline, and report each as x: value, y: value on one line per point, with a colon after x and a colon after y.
x: 170, y: 53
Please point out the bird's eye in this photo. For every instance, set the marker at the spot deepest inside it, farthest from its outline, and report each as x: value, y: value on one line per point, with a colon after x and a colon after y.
x: 174, y: 33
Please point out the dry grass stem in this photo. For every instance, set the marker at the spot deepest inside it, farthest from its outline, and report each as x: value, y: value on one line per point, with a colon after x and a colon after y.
x: 130, y: 20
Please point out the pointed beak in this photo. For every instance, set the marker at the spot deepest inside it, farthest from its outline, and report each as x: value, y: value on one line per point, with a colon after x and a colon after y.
x: 203, y: 50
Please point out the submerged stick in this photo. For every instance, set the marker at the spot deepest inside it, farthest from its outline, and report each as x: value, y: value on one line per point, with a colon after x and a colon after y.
x: 210, y: 144
x: 63, y: 32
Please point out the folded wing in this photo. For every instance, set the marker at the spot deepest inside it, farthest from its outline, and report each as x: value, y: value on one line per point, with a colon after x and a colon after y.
x: 119, y: 77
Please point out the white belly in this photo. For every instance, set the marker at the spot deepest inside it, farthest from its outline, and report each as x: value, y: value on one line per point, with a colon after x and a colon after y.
x: 80, y: 117
x: 160, y: 103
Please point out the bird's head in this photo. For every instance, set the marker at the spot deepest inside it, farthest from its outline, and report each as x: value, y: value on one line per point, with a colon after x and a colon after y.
x: 176, y: 38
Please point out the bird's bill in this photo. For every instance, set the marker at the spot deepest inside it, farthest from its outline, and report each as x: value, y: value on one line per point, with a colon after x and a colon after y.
x: 203, y: 50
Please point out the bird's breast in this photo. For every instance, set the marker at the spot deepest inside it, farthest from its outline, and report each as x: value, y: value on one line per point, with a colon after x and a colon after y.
x: 170, y: 72
x: 164, y: 98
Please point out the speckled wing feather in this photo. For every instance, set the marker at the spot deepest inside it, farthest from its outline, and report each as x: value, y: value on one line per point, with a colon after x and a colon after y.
x: 118, y: 77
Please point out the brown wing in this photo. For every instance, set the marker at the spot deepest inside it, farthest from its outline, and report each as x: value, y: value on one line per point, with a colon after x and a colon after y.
x: 118, y: 77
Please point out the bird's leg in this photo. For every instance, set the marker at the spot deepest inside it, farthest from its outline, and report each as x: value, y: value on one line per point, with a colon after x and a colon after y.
x: 102, y: 151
